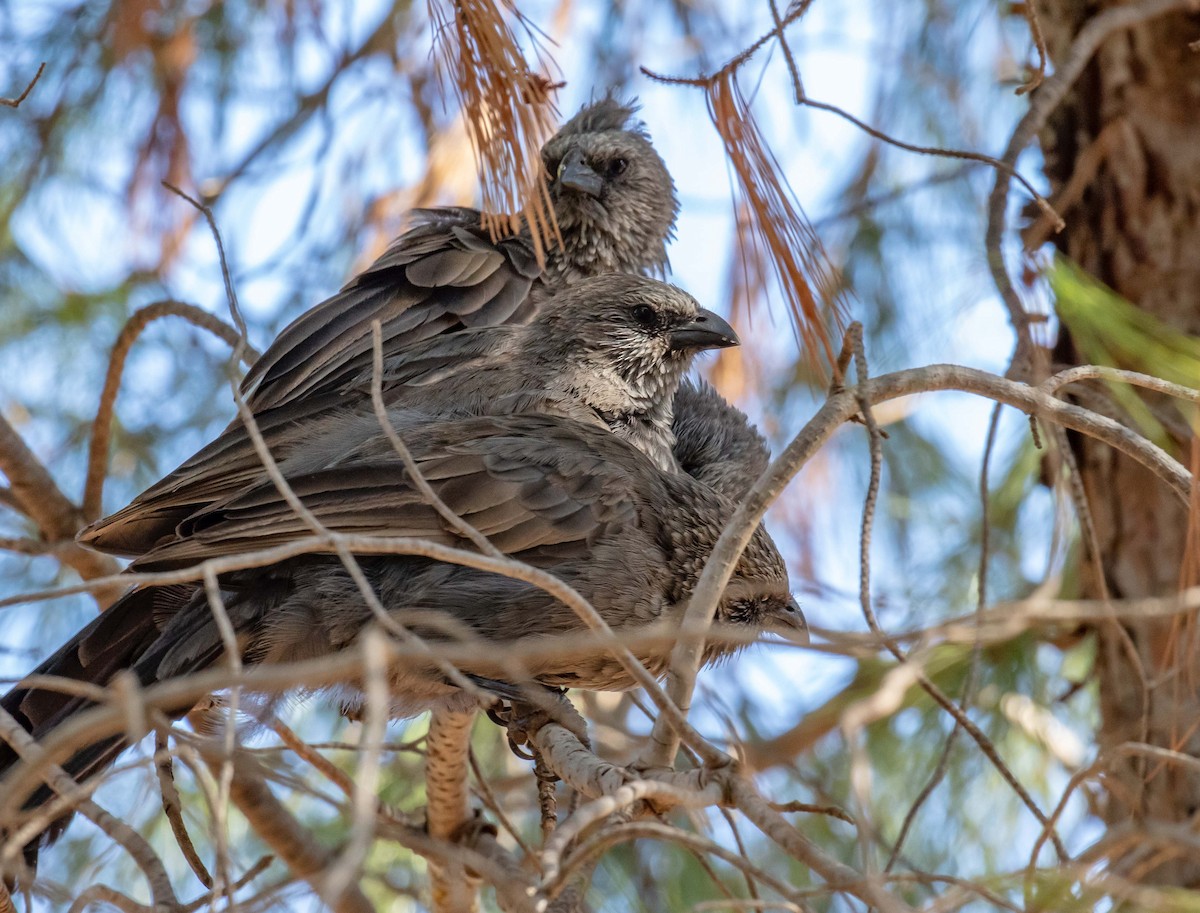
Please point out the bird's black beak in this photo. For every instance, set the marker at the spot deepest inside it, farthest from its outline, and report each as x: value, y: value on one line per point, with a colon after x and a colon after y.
x: 706, y: 331
x: 574, y: 173
x: 791, y: 623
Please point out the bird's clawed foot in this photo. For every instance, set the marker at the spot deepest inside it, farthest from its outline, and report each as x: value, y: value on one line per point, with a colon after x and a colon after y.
x: 522, y: 712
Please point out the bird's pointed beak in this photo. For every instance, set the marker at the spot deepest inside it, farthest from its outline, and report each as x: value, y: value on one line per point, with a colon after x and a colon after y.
x: 574, y: 173
x: 791, y: 623
x: 705, y: 331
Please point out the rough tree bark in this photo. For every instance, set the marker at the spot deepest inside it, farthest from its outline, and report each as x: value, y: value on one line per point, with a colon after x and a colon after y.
x: 1137, y: 228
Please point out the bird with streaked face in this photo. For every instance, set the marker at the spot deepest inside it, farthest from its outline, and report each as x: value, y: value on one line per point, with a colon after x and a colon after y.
x: 613, y: 196
x: 622, y: 345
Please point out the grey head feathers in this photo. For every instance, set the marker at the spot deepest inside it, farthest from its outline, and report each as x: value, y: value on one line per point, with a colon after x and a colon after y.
x: 613, y: 197
x: 602, y: 115
x: 622, y: 343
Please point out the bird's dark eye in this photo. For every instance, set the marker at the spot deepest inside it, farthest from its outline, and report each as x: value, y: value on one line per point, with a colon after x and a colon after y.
x: 617, y: 166
x: 644, y: 315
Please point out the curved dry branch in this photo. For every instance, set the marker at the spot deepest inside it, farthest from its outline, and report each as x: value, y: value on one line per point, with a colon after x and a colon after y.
x: 93, y: 489
x: 1082, y: 373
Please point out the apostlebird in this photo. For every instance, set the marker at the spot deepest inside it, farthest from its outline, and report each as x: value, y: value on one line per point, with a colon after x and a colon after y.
x: 610, y: 350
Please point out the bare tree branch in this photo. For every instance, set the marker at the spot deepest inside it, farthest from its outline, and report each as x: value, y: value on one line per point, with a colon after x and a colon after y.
x: 56, y: 517
x: 121, y: 833
x: 93, y: 489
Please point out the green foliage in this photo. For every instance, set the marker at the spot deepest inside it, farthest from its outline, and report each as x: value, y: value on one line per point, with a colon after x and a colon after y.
x: 1110, y: 331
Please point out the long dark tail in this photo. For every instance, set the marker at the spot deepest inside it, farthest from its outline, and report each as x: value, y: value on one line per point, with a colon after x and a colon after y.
x: 112, y: 643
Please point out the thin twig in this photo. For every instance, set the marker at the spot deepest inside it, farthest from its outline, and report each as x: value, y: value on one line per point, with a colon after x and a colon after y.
x: 870, y: 203
x: 968, y: 692
x: 102, y: 893
x: 854, y: 340
x: 346, y: 870
x: 831, y: 811
x: 31, y: 547
x: 415, y: 475
x: 309, y: 754
x: 1091, y: 538
x: 173, y: 807
x: 233, y: 664
x: 489, y: 799
x: 1030, y: 12
x: 1117, y: 375
x: 248, y: 876
x: 16, y: 102
x: 793, y: 70
x: 961, y: 154
x: 841, y: 877
x: 794, y: 12
x: 383, y: 37
x: 235, y: 311
x: 279, y: 829
x: 1083, y: 511
x: 1084, y: 167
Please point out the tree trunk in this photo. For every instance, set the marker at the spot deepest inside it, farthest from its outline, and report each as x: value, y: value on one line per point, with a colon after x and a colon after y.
x: 1137, y: 228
